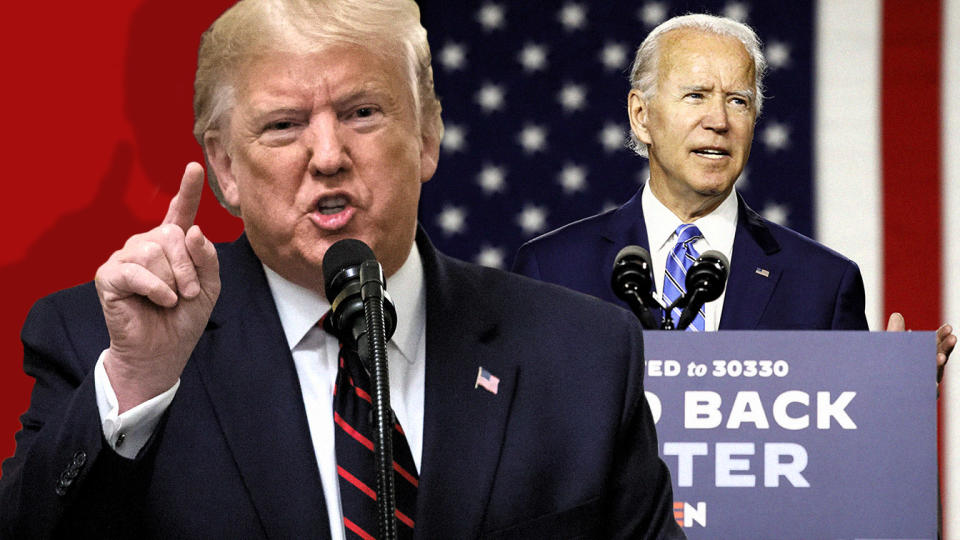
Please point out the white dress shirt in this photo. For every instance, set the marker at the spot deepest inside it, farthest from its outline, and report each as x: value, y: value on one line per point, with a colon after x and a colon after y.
x: 718, y: 228
x: 315, y: 357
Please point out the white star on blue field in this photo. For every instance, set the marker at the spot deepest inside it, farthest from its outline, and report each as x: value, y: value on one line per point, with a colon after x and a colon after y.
x: 534, y: 103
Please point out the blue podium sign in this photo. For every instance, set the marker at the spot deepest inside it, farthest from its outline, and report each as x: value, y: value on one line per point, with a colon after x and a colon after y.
x: 797, y: 434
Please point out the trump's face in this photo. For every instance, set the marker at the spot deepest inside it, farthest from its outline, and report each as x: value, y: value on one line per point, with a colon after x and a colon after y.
x: 321, y: 147
x: 699, y: 124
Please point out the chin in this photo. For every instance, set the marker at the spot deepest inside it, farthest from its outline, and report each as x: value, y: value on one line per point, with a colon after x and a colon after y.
x: 715, y: 186
x: 711, y: 190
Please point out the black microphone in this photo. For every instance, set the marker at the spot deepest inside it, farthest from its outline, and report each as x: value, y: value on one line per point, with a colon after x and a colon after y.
x: 705, y: 282
x: 345, y: 265
x: 361, y: 312
x: 632, y: 282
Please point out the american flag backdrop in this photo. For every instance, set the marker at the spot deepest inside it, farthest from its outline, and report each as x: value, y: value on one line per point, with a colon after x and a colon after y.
x: 847, y: 150
x: 534, y: 103
x: 853, y: 147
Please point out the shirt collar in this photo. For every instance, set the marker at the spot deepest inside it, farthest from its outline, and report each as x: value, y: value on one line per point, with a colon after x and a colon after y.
x: 407, y: 290
x: 718, y: 227
x: 300, y: 308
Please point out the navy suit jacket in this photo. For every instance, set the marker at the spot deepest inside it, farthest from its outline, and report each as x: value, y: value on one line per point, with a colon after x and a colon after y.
x: 779, y: 279
x: 566, y: 447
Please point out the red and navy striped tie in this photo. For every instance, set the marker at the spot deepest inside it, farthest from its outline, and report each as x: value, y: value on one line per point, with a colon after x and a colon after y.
x: 356, y: 468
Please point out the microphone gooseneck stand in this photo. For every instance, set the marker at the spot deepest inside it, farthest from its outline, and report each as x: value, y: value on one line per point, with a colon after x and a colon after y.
x: 363, y: 317
x: 371, y: 290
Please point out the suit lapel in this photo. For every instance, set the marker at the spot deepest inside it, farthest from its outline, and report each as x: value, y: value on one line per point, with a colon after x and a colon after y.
x: 625, y: 227
x: 464, y: 425
x: 246, y: 367
x: 753, y: 274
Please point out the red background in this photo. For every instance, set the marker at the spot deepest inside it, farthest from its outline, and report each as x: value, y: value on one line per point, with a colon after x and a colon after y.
x: 99, y: 121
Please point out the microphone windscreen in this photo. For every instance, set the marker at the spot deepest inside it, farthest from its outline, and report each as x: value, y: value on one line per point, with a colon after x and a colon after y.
x: 719, y: 257
x: 343, y: 254
x: 632, y: 275
x: 632, y: 252
x: 708, y: 275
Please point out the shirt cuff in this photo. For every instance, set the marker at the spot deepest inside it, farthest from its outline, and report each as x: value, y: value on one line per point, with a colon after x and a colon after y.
x: 127, y: 433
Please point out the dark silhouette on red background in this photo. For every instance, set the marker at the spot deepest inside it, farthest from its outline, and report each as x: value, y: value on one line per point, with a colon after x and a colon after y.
x: 133, y: 192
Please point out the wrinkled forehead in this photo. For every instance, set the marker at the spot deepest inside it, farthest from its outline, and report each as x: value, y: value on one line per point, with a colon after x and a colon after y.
x: 690, y: 51
x: 305, y: 69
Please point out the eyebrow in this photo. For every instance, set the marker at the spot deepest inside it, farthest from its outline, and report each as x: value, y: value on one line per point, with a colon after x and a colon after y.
x: 374, y: 89
x: 696, y: 88
x: 267, y: 112
x: 701, y: 88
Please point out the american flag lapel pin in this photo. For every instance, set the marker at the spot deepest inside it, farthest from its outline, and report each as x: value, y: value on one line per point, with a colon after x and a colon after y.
x: 763, y: 272
x: 487, y: 380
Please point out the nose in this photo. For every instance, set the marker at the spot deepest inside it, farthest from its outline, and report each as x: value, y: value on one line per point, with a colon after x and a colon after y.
x: 327, y: 152
x: 715, y: 117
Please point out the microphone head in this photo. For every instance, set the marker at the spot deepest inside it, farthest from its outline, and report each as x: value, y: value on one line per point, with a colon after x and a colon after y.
x: 708, y: 275
x: 341, y: 263
x: 632, y: 253
x: 632, y: 272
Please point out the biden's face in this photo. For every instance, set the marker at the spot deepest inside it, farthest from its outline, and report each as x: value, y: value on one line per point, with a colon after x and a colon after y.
x: 698, y: 126
x: 321, y: 147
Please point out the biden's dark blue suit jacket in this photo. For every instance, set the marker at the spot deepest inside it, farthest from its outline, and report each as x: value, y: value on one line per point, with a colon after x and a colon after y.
x: 779, y: 279
x: 565, y: 448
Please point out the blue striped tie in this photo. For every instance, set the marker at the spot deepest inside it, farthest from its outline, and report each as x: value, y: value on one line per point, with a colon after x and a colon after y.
x: 678, y: 262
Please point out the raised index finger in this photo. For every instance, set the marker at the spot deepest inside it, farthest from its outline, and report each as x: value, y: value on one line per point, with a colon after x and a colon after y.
x: 183, y: 207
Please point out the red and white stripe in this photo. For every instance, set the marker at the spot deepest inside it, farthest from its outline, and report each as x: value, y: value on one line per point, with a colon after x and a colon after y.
x: 887, y: 184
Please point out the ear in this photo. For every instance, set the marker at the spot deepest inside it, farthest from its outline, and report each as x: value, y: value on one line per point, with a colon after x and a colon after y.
x: 429, y: 154
x: 637, y: 112
x: 219, y: 159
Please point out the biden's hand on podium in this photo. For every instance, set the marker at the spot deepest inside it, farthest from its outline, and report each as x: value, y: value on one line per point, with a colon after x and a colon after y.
x: 946, y: 341
x: 157, y: 293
